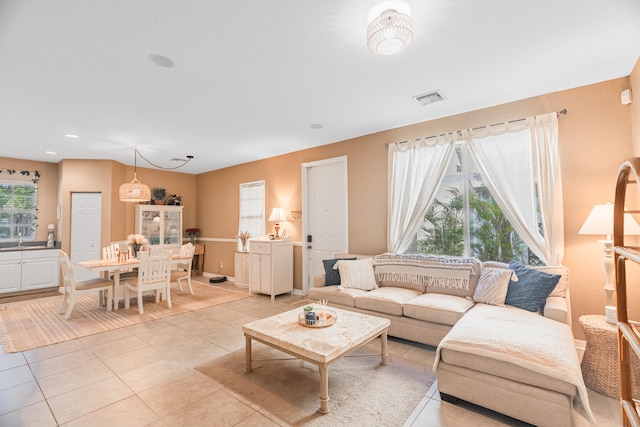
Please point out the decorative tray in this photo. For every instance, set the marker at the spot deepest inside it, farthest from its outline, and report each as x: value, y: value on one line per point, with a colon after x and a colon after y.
x: 323, y: 318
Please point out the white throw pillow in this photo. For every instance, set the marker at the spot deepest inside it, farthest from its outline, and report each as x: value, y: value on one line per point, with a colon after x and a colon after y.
x: 356, y: 274
x: 493, y: 285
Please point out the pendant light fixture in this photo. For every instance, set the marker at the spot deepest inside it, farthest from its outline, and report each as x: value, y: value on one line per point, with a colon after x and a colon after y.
x: 135, y: 191
x: 389, y: 33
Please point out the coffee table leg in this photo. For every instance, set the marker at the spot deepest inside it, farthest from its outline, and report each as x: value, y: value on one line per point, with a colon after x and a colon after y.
x: 385, y: 354
x: 247, y: 360
x: 324, y: 389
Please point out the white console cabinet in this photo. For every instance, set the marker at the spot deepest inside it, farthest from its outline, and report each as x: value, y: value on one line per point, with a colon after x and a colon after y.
x: 24, y: 270
x: 241, y: 279
x: 271, y: 266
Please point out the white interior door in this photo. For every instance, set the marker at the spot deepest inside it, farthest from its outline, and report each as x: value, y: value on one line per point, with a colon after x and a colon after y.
x: 86, y: 223
x: 325, y: 228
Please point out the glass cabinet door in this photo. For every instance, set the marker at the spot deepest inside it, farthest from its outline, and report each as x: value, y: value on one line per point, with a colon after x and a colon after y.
x: 172, y: 230
x: 150, y: 222
x: 161, y: 225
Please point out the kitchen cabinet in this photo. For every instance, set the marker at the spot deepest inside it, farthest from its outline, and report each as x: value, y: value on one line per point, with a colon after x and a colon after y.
x: 25, y: 270
x: 160, y: 224
x: 271, y: 266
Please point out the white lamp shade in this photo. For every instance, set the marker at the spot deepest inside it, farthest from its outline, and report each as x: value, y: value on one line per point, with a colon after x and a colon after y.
x: 600, y: 222
x: 277, y: 215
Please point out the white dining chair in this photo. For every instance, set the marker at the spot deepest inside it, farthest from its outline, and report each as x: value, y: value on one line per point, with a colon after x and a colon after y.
x: 72, y: 288
x: 153, y: 275
x: 112, y: 252
x: 183, y: 271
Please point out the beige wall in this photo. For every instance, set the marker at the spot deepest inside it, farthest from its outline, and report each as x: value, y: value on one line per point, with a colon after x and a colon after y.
x: 59, y: 180
x: 595, y: 137
x: 634, y: 85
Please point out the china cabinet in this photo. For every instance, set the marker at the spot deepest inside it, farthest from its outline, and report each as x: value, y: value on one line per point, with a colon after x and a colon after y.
x: 160, y: 224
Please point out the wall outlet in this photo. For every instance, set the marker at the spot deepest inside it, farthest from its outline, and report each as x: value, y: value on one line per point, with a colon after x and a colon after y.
x: 220, y: 266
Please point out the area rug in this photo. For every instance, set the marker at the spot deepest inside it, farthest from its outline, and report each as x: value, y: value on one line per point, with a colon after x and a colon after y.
x: 361, y: 391
x: 33, y: 324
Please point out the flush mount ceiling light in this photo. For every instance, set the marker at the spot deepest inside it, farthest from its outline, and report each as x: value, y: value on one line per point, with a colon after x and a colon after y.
x: 135, y: 191
x: 389, y: 33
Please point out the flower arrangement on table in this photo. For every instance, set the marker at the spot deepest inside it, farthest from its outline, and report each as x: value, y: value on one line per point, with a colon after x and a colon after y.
x: 192, y: 232
x: 243, y: 236
x: 136, y: 241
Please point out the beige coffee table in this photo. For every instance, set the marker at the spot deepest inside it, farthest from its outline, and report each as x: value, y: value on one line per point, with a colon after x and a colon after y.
x: 320, y: 346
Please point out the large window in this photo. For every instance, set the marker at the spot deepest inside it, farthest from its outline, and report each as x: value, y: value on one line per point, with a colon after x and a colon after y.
x: 494, y: 192
x: 252, y: 217
x: 464, y: 219
x: 17, y: 211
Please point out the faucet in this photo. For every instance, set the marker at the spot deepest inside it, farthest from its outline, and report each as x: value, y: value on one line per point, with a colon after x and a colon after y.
x: 19, y: 239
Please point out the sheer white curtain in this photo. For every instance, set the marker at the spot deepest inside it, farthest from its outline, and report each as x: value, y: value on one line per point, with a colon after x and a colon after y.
x: 544, y: 136
x: 517, y: 160
x: 416, y: 170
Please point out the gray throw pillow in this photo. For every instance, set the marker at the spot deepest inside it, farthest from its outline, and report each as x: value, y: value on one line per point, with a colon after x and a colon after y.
x: 531, y: 290
x: 332, y: 277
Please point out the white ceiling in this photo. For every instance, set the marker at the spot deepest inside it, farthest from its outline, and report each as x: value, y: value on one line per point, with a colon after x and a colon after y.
x: 251, y: 76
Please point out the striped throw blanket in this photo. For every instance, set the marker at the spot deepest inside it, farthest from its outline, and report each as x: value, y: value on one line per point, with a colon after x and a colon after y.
x: 427, y: 270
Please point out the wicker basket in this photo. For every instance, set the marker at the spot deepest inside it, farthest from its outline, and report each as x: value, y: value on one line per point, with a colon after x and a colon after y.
x: 600, y: 368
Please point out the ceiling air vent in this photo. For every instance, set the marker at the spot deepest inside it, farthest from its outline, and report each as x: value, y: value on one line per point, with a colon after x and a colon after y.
x: 430, y: 98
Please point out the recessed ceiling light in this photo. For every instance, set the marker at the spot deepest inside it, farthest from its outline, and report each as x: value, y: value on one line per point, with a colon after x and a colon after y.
x: 70, y: 135
x: 51, y: 152
x: 161, y: 61
x: 317, y: 126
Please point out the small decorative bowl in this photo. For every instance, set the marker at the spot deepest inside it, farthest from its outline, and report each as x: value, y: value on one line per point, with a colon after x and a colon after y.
x: 321, y: 318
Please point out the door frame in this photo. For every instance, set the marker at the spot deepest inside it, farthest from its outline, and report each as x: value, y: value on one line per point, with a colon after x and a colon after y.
x: 305, y: 213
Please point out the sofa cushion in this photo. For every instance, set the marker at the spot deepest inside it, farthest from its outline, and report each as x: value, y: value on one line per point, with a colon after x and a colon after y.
x: 333, y: 295
x: 492, y: 286
x: 561, y: 288
x: 386, y: 299
x: 531, y: 290
x: 437, y: 308
x: 357, y: 274
x: 332, y: 275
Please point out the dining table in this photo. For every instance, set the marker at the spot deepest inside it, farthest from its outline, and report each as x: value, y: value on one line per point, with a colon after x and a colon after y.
x: 117, y: 266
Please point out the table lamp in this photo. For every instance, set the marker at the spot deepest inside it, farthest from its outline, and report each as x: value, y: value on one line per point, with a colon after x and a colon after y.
x: 278, y: 216
x: 600, y: 222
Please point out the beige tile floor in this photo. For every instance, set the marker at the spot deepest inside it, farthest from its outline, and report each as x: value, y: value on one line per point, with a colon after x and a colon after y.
x: 144, y: 375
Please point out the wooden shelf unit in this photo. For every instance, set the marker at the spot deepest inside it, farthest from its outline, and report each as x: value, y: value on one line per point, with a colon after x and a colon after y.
x: 628, y: 336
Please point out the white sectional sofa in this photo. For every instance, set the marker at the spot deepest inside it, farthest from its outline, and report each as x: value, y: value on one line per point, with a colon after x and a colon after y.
x: 488, y: 353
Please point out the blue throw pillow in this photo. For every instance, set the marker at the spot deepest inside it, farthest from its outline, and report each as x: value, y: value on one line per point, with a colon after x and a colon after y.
x: 531, y: 289
x: 332, y: 277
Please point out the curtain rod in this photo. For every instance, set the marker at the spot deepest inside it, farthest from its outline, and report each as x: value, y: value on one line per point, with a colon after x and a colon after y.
x: 558, y: 113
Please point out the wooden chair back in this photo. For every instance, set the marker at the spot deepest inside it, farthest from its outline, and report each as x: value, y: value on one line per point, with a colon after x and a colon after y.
x: 154, y: 266
x: 68, y: 275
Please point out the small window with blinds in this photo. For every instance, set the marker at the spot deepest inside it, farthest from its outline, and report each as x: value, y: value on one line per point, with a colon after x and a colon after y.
x: 17, y: 211
x: 252, y: 216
